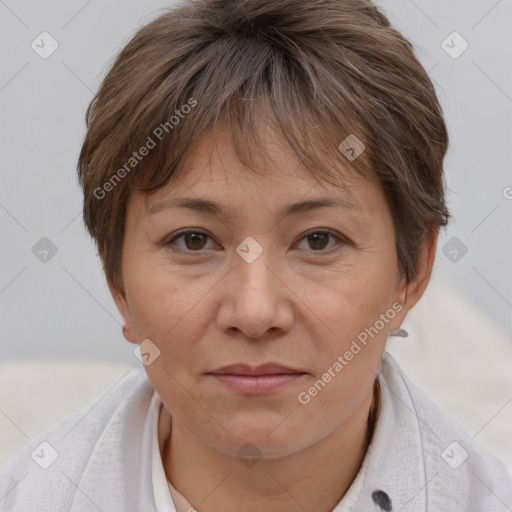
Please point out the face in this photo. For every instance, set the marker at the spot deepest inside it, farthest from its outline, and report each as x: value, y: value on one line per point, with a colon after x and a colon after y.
x: 312, y: 293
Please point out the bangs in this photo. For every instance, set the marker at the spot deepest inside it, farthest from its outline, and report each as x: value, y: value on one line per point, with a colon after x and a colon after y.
x: 253, y: 105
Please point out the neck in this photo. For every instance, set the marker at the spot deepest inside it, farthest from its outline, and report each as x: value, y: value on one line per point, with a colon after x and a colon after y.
x: 315, y: 478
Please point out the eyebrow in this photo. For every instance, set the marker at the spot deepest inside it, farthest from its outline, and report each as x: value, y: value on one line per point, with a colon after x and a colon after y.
x: 215, y: 208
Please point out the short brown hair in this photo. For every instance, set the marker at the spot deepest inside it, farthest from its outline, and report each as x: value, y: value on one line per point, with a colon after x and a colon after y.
x: 324, y: 69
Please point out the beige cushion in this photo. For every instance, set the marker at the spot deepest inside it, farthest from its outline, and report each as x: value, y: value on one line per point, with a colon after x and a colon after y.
x: 37, y: 393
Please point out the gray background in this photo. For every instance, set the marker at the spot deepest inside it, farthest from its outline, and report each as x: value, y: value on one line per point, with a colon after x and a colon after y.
x: 62, y: 307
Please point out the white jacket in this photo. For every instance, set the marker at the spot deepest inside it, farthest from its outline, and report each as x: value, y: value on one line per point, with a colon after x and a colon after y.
x: 419, y: 460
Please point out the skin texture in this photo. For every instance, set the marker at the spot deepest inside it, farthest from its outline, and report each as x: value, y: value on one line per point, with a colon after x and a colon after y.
x: 301, y: 303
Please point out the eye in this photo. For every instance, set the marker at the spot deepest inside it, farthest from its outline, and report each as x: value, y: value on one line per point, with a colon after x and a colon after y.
x: 318, y: 240
x: 193, y: 240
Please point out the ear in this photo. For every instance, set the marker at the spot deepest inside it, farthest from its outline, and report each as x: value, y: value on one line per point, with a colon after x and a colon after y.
x: 408, y: 294
x: 123, y: 308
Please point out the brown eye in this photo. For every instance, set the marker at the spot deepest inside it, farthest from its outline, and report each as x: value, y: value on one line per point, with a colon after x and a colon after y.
x: 319, y: 240
x: 194, y: 241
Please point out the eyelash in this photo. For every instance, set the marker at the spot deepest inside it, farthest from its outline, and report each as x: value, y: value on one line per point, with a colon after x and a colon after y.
x: 339, y: 239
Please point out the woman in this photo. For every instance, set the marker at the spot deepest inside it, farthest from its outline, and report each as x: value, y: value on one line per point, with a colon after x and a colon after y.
x: 264, y: 182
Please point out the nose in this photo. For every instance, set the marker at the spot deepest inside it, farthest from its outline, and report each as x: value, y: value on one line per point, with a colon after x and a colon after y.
x: 256, y: 300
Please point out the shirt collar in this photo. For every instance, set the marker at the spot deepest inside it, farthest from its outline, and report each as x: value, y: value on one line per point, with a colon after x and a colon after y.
x: 161, y: 492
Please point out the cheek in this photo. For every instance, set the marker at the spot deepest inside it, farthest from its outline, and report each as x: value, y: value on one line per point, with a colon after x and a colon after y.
x: 354, y: 298
x: 356, y: 312
x: 358, y: 328
x: 164, y: 308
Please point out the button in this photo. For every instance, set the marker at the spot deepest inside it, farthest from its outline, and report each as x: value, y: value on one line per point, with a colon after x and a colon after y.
x: 382, y: 500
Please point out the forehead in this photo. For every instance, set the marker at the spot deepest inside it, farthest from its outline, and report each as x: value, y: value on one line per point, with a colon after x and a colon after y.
x: 213, y: 168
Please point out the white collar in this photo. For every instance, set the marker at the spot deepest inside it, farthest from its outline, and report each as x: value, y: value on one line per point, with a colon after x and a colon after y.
x: 162, y: 495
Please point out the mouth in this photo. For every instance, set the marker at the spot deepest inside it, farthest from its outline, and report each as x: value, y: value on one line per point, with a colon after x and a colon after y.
x: 254, y: 380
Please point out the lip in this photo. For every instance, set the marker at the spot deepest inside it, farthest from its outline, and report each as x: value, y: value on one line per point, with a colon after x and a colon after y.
x: 254, y: 380
x: 262, y: 369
